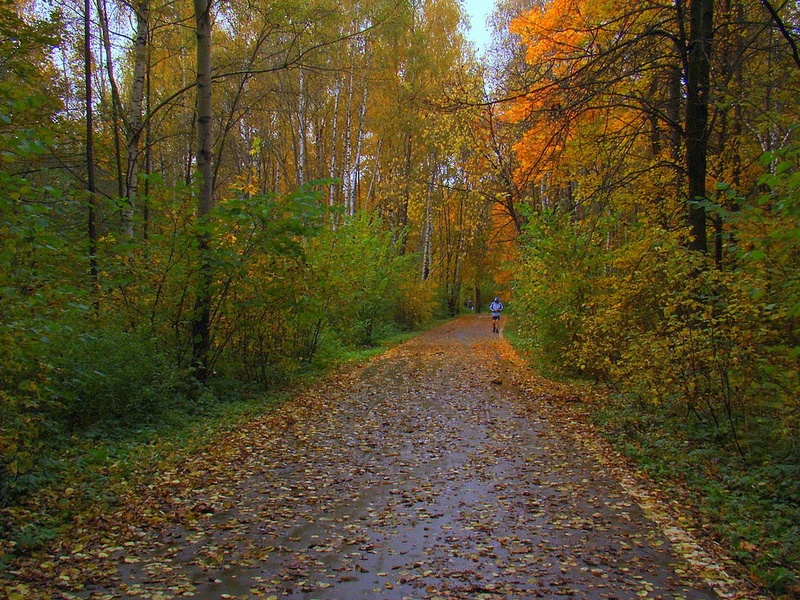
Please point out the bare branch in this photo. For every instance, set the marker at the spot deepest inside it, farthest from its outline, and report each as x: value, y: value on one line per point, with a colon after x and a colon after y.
x: 784, y: 31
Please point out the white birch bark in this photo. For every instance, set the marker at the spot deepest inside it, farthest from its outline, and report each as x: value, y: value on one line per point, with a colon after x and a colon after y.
x: 357, y: 163
x: 427, y: 226
x: 376, y: 170
x: 116, y: 103
x: 301, y: 133
x: 348, y: 145
x: 334, y: 144
x: 135, y: 113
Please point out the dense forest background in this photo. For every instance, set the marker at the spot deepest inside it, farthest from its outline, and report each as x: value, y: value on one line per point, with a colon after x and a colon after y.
x: 203, y: 200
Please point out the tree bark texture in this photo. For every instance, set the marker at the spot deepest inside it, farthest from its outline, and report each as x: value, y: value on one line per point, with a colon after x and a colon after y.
x: 698, y: 79
x: 91, y: 186
x: 201, y: 322
x: 135, y: 113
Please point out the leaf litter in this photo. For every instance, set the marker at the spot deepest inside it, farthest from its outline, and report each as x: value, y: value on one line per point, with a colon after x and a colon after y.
x: 441, y: 469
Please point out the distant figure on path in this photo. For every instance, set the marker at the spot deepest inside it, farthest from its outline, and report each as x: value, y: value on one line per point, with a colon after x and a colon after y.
x: 496, y: 307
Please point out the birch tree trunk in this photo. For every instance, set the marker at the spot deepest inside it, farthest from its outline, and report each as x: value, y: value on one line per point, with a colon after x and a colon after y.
x: 427, y: 225
x: 400, y: 216
x: 148, y: 155
x: 302, y: 125
x: 376, y: 170
x: 359, y: 139
x: 334, y: 140
x: 116, y: 102
x: 135, y: 114
x: 348, y: 143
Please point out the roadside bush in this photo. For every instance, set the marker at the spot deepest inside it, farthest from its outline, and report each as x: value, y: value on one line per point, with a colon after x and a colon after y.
x: 108, y: 377
x: 703, y: 356
x: 361, y: 280
x: 22, y: 420
x: 293, y: 288
x: 267, y: 321
x: 553, y: 287
x: 416, y: 303
x: 661, y: 325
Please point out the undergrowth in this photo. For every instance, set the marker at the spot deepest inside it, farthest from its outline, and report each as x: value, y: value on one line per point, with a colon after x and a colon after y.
x: 743, y: 489
x: 90, y: 469
x: 83, y: 470
x: 750, y: 503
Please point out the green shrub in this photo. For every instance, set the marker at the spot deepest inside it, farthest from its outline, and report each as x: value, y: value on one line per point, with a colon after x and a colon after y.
x: 109, y: 377
x: 361, y: 280
x: 27, y: 407
x: 553, y: 287
x: 415, y: 303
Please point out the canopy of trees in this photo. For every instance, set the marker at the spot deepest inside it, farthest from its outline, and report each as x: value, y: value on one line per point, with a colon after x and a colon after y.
x: 218, y: 189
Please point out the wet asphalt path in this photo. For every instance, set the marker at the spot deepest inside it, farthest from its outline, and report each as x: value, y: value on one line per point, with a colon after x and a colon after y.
x: 435, y: 471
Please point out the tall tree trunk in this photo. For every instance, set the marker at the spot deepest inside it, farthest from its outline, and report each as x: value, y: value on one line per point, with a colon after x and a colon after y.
x: 116, y: 103
x: 347, y: 180
x: 302, y: 125
x: 427, y: 225
x: 91, y: 186
x: 135, y: 113
x: 728, y: 130
x: 148, y: 157
x: 698, y: 79
x: 401, y: 216
x: 376, y: 174
x: 427, y: 239
x: 201, y: 319
x: 334, y: 139
x: 359, y: 140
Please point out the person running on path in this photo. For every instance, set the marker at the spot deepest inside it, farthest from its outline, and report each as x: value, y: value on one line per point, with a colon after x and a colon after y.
x: 496, y: 307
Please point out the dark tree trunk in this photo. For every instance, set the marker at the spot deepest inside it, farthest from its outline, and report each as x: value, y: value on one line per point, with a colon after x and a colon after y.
x: 698, y: 78
x: 91, y: 186
x: 201, y: 322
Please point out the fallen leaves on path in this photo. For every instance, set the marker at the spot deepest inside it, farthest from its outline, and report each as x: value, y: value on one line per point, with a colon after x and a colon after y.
x: 442, y: 469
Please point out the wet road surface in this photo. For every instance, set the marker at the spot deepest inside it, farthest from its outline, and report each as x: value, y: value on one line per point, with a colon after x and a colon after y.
x: 438, y: 470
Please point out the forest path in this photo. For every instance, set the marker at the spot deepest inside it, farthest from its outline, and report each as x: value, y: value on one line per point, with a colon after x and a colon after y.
x: 441, y: 469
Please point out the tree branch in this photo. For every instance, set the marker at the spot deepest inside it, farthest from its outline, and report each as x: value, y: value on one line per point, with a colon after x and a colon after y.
x: 784, y: 31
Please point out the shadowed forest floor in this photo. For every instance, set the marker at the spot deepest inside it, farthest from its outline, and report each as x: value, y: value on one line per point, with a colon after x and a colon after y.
x: 441, y: 469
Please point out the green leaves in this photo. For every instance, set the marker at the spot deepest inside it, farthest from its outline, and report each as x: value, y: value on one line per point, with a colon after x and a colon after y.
x: 357, y: 273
